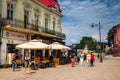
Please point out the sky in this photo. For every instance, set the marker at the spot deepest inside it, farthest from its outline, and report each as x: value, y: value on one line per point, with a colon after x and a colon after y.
x: 79, y: 15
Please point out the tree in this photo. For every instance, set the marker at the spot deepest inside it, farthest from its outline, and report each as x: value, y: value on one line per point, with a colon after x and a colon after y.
x: 89, y: 41
x: 110, y: 36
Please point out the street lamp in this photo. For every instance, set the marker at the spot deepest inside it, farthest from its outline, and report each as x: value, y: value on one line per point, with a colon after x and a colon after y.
x: 74, y: 48
x: 99, y: 25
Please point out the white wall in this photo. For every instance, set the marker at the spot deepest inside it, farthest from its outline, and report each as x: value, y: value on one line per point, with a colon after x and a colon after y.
x: 3, y: 53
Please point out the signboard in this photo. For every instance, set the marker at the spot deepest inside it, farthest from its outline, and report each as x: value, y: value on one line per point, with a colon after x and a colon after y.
x: 14, y: 35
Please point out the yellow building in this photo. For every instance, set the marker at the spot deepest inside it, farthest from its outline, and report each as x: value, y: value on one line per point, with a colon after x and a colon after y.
x: 24, y: 20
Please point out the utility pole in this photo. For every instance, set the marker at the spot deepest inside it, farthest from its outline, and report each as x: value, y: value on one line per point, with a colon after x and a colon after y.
x: 99, y: 28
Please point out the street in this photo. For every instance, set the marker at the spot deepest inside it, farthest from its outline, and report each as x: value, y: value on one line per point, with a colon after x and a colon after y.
x: 109, y: 69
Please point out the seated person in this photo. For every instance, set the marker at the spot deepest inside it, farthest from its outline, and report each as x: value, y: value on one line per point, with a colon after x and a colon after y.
x: 51, y: 58
x: 44, y: 60
x: 37, y: 59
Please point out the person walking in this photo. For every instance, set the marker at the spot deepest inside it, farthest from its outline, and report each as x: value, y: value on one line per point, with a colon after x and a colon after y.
x: 72, y: 61
x: 78, y: 57
x: 98, y: 56
x: 14, y: 63
x: 81, y: 59
x: 27, y: 63
x: 88, y: 59
x: 92, y: 59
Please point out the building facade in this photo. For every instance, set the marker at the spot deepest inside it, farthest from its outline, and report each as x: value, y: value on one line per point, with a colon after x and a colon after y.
x: 116, y: 39
x: 24, y: 20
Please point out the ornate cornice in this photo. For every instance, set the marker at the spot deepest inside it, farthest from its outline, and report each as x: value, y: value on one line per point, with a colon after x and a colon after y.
x: 12, y: 1
x: 27, y: 5
x: 37, y: 10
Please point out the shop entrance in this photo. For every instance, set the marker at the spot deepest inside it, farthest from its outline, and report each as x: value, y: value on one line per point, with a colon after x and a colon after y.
x: 12, y: 53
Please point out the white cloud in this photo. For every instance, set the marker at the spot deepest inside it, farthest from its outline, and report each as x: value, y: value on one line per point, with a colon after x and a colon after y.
x: 116, y: 7
x: 79, y: 15
x: 95, y: 36
x: 73, y: 40
x: 66, y: 3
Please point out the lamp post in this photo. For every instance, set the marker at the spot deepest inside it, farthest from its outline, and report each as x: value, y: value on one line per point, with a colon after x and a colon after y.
x: 74, y: 48
x: 99, y: 25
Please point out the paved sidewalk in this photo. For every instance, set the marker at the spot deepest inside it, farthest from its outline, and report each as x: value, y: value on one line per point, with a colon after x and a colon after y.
x: 109, y: 69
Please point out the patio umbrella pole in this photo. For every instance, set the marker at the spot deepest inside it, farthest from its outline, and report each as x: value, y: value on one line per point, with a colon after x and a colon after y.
x: 34, y: 54
x: 55, y: 53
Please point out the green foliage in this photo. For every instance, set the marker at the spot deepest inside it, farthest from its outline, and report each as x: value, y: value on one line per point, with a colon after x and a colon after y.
x: 110, y: 36
x: 89, y: 41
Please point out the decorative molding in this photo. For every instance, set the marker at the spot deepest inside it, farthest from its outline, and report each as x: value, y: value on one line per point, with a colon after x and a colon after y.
x: 12, y: 1
x: 27, y: 5
x: 47, y: 15
x: 58, y: 22
x: 54, y: 18
x: 37, y: 10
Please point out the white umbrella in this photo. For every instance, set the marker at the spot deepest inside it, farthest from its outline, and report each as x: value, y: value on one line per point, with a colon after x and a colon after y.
x: 67, y: 48
x: 58, y: 46
x: 33, y: 44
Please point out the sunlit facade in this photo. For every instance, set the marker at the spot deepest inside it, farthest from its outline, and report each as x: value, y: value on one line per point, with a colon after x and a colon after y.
x: 116, y: 30
x: 24, y: 20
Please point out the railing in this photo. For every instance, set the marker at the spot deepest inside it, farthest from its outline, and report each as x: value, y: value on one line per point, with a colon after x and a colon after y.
x: 20, y: 24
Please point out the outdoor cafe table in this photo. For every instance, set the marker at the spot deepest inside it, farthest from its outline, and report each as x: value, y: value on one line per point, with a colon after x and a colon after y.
x: 45, y: 63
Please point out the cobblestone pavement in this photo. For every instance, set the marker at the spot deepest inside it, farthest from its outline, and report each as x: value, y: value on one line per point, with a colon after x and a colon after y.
x: 109, y: 69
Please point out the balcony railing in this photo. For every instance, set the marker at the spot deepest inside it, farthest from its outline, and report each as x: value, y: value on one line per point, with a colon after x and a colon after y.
x: 20, y: 24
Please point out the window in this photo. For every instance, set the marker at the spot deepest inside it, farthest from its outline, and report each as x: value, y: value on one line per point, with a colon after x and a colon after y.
x: 10, y: 11
x: 0, y: 15
x: 26, y: 18
x: 59, y: 25
x: 53, y: 25
x: 10, y: 48
x: 36, y: 19
x: 46, y: 24
x: 115, y: 37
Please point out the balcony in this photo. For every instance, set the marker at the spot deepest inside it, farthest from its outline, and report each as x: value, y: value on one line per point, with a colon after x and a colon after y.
x: 33, y: 27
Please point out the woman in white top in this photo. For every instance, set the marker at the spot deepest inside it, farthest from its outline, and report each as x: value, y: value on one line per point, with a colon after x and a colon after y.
x: 88, y: 59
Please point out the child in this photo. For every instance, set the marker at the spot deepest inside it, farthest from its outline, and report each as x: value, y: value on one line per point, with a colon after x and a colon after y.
x: 14, y: 64
x: 72, y: 61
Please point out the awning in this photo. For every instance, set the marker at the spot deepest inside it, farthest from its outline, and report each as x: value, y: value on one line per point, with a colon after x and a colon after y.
x: 48, y: 3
